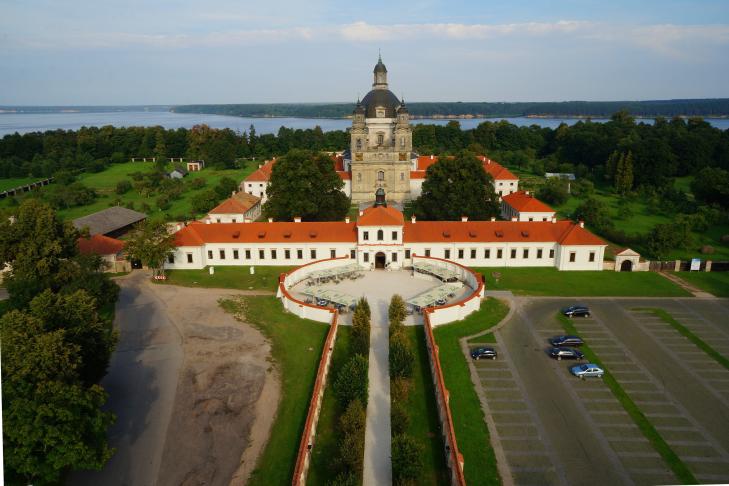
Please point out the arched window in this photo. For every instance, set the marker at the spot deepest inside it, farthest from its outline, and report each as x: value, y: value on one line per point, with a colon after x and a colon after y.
x: 380, y: 235
x: 402, y: 176
x: 380, y: 138
x: 402, y: 141
x: 381, y: 175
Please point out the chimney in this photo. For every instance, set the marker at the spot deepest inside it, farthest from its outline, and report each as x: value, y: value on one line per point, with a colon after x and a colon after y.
x: 207, y: 221
x: 361, y: 213
x: 297, y: 219
x: 178, y: 227
x: 582, y: 224
x: 493, y: 219
x: 431, y: 156
x: 259, y: 166
x: 526, y: 192
x: 413, y: 219
x: 247, y: 220
x: 513, y: 218
x: 270, y: 220
x: 464, y: 219
x: 232, y: 194
x: 346, y: 219
x: 554, y: 220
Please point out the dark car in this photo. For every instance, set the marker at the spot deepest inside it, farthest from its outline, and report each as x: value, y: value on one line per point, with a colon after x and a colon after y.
x: 484, y: 353
x: 559, y: 341
x: 565, y: 353
x: 576, y: 311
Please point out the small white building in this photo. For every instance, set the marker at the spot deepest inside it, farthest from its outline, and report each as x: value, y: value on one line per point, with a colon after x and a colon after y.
x: 239, y: 208
x: 195, y: 165
x: 523, y: 206
x: 177, y: 173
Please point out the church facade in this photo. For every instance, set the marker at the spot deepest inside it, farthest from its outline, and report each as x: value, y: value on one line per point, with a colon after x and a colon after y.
x: 381, y: 146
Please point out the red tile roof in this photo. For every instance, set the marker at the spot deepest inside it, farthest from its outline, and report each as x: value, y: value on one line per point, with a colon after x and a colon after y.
x: 417, y: 174
x: 240, y: 203
x: 195, y: 234
x: 563, y: 232
x: 524, y: 202
x: 345, y: 176
x: 381, y: 216
x: 497, y: 171
x: 338, y: 163
x: 100, y: 245
x: 263, y: 173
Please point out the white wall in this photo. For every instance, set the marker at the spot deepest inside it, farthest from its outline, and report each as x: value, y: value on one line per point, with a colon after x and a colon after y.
x: 505, y: 187
x: 582, y: 257
x: 416, y: 187
x: 256, y: 188
x: 437, y: 250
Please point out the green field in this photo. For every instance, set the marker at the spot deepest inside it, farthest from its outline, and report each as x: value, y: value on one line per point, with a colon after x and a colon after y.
x: 424, y: 424
x: 471, y: 430
x: 6, y: 184
x: 296, y: 349
x: 265, y: 278
x: 550, y: 281
x: 716, y: 283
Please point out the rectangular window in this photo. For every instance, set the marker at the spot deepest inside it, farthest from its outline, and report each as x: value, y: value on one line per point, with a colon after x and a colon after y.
x: 447, y: 254
x: 394, y: 236
x: 592, y: 256
x: 210, y: 254
x: 366, y: 257
x: 572, y: 256
x: 352, y: 254
x: 531, y: 219
x: 487, y: 253
x: 539, y: 253
x: 365, y: 235
x: 473, y: 253
x: 222, y: 254
x: 217, y: 220
x: 233, y: 220
x: 261, y: 254
x: 313, y: 254
x: 287, y: 254
x: 407, y: 254
x: 551, y: 253
x: 394, y: 257
x: 332, y: 253
x: 427, y: 252
x: 513, y: 253
x: 273, y: 254
x: 170, y: 258
x: 248, y: 254
x: 460, y: 253
x: 526, y: 253
x: 235, y: 254
x: 189, y: 258
x: 299, y: 254
x: 499, y: 253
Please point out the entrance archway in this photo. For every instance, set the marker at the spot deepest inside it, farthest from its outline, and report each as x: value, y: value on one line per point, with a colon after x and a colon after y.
x: 380, y: 260
x: 626, y: 266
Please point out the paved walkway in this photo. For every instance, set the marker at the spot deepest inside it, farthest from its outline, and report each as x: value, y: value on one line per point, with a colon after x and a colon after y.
x: 687, y: 286
x: 377, y: 463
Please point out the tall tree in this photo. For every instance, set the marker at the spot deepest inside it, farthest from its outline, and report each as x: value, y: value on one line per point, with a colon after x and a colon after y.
x: 624, y: 173
x: 305, y: 184
x: 151, y: 243
x: 456, y: 187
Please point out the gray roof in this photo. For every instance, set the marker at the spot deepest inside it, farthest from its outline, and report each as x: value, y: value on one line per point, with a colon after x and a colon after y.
x: 381, y: 97
x: 109, y: 220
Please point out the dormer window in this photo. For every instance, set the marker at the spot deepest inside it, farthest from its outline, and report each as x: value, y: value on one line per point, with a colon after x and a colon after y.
x: 380, y: 112
x: 380, y: 235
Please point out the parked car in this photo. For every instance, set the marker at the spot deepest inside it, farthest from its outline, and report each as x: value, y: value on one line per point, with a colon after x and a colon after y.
x: 565, y: 353
x: 484, y: 353
x: 576, y: 311
x: 560, y: 341
x: 586, y: 370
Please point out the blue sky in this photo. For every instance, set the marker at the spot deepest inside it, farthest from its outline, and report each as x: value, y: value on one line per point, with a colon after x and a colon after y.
x: 59, y: 52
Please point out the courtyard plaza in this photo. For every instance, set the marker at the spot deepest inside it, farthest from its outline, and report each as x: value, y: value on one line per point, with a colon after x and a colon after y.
x: 378, y: 286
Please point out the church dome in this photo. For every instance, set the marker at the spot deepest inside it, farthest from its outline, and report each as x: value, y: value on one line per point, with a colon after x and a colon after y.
x: 380, y: 97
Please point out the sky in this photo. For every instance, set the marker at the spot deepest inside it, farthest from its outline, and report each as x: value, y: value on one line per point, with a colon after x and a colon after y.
x: 111, y: 52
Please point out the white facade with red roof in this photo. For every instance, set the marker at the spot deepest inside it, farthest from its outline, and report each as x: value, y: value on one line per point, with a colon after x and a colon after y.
x: 238, y: 208
x: 381, y: 237
x: 523, y: 206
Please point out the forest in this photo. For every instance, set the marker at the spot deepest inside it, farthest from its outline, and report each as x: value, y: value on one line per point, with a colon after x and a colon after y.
x: 597, y: 109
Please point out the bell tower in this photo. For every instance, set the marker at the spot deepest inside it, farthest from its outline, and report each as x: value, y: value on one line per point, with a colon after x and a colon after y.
x: 380, y: 72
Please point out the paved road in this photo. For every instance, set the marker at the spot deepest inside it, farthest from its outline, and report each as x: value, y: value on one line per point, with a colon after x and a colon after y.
x: 141, y: 383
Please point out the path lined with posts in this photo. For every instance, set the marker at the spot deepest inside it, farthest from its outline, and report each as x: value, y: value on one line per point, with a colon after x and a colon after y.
x: 377, y: 455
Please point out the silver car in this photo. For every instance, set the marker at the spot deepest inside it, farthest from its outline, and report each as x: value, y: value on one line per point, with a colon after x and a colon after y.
x: 586, y: 370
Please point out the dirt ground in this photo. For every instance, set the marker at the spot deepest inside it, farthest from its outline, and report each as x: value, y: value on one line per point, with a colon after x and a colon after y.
x: 226, y: 393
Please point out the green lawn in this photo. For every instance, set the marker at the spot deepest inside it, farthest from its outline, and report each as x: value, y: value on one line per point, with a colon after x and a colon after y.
x: 680, y: 469
x: 424, y: 424
x: 550, y: 281
x: 296, y: 349
x: 471, y: 430
x: 6, y: 184
x: 265, y: 278
x: 716, y: 283
x: 322, y: 468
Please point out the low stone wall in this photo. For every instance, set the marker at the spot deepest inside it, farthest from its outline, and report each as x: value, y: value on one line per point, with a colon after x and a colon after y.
x: 454, y: 458
x: 303, y: 457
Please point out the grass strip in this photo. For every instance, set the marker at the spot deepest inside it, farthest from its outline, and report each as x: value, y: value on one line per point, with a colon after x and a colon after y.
x: 472, y: 432
x: 680, y: 469
x: 233, y: 277
x: 296, y: 346
x: 686, y: 332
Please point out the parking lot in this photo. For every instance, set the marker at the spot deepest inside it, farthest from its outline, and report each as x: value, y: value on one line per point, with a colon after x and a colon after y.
x: 557, y: 429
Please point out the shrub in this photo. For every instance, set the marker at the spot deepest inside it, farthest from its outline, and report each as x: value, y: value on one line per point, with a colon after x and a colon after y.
x: 725, y: 239
x: 123, y: 186
x: 406, y: 459
x: 360, y: 343
x: 707, y: 249
x: 396, y: 312
x: 553, y: 191
x: 344, y: 479
x: 351, y: 452
x: 365, y: 306
x: 163, y: 202
x: 399, y: 418
x: 352, y: 381
x: 400, y: 389
x: 354, y: 418
x: 401, y: 356
x: 198, y: 183
x: 595, y: 213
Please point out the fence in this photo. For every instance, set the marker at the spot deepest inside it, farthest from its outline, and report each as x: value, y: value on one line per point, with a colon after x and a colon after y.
x: 685, y: 266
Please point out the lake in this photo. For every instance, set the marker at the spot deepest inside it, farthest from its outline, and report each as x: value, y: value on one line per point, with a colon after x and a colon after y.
x: 33, y: 122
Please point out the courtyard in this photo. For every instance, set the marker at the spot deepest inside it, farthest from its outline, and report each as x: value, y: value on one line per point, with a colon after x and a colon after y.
x: 556, y: 429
